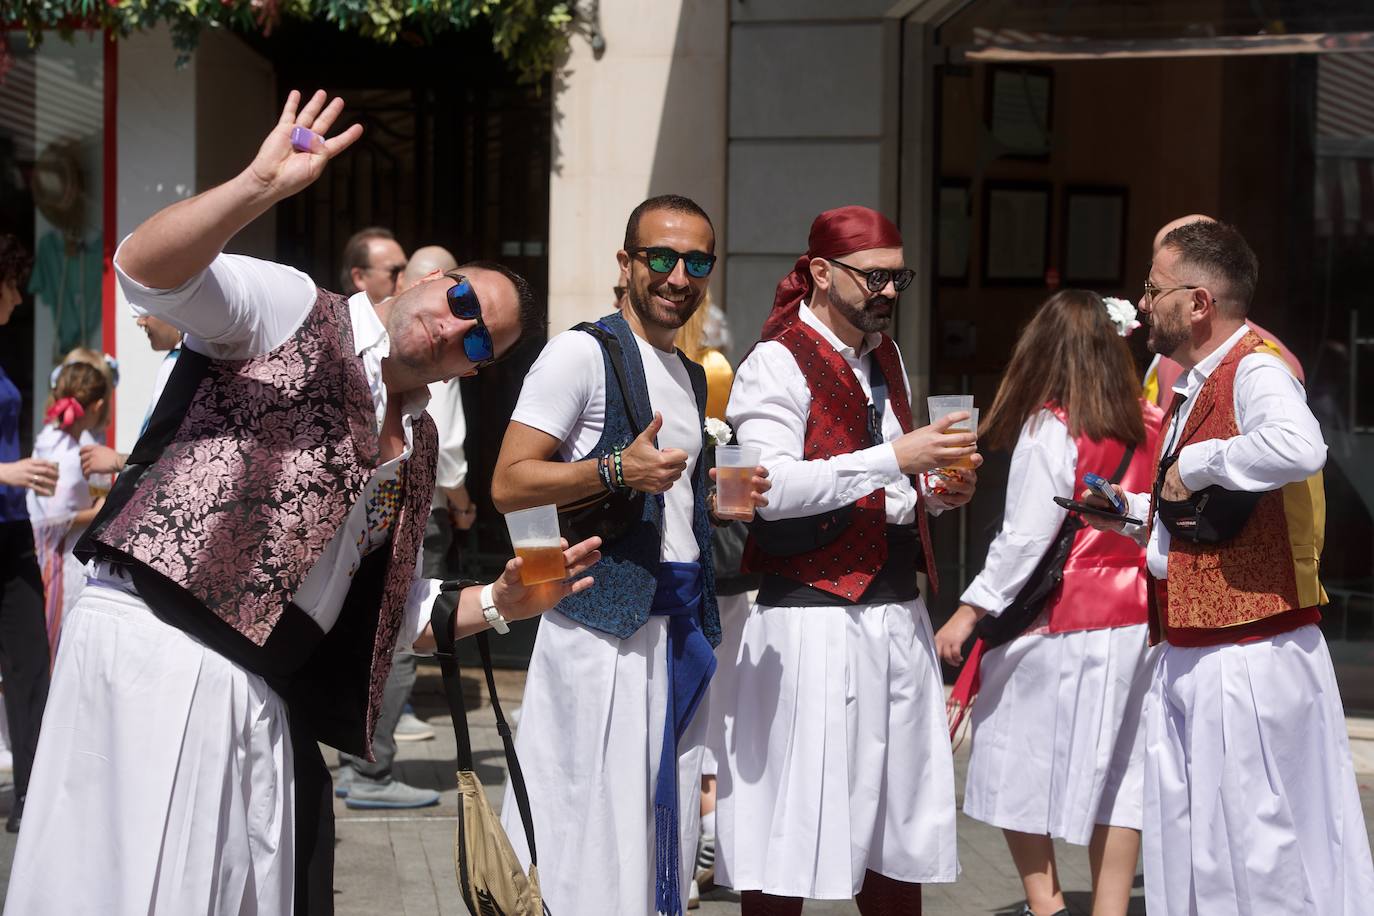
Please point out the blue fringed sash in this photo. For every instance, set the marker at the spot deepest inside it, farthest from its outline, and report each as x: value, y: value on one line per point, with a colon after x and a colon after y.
x: 691, y: 662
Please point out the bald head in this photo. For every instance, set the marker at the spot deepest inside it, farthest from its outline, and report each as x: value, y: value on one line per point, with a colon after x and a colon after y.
x: 425, y: 261
x: 1174, y: 224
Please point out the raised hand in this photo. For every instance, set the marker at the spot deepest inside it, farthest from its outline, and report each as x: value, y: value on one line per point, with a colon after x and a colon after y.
x: 648, y: 468
x: 933, y: 446
x: 281, y: 170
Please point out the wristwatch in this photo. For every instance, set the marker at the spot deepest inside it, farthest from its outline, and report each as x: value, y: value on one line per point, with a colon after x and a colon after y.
x: 489, y: 612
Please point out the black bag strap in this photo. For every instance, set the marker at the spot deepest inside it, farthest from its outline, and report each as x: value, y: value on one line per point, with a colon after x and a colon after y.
x: 441, y: 620
x: 611, y: 344
x: 1124, y: 466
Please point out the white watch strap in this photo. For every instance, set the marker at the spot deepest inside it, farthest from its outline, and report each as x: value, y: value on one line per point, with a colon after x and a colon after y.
x: 489, y: 612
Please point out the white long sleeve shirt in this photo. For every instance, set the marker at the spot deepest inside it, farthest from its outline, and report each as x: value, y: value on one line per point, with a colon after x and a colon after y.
x: 1280, y: 441
x: 1043, y: 466
x: 446, y: 409
x: 242, y: 307
x: 769, y: 403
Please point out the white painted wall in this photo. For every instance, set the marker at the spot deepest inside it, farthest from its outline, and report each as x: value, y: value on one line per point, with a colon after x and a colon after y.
x: 156, y: 133
x: 647, y: 118
x: 181, y: 131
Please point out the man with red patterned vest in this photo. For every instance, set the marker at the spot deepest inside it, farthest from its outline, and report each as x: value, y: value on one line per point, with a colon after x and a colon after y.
x: 1163, y: 373
x: 1251, y: 805
x: 836, y: 777
x: 255, y: 564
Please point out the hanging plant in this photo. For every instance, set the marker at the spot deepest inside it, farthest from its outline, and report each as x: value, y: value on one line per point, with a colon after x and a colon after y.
x: 530, y: 35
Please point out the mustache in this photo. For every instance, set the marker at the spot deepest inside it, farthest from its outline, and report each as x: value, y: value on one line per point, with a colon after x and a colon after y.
x: 873, y: 301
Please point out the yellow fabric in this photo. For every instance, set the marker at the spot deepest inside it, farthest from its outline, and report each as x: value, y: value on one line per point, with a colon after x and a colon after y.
x: 1304, y: 506
x: 719, y: 377
x: 1150, y: 390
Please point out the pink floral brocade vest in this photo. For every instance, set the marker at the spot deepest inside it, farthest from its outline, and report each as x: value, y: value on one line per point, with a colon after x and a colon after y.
x: 245, y: 473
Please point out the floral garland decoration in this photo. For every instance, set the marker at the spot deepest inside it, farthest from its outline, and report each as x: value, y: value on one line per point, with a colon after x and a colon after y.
x: 531, y: 35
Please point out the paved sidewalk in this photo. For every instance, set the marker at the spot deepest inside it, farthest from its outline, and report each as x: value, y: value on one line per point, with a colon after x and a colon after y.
x: 402, y: 863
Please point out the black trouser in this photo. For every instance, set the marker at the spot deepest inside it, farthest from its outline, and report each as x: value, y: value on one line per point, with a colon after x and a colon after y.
x: 23, y: 646
x: 314, y: 811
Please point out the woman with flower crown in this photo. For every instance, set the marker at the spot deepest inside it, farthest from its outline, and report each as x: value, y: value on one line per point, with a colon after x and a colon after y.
x: 1057, y: 742
x: 77, y: 406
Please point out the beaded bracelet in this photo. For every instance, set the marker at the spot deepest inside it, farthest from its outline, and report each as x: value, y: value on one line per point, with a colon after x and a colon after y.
x: 619, y: 467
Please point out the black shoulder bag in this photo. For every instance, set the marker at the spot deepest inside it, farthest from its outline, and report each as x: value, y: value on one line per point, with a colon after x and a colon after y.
x: 1025, y: 608
x: 489, y: 874
x: 607, y: 515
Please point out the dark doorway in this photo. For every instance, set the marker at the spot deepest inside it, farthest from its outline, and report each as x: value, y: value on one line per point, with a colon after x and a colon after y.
x: 455, y: 153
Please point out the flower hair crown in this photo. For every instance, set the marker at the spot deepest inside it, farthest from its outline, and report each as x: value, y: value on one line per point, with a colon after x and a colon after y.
x: 1122, y: 314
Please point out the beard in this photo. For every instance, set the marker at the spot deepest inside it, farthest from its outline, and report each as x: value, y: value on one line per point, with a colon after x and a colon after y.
x: 1166, y: 334
x: 868, y: 315
x: 650, y: 313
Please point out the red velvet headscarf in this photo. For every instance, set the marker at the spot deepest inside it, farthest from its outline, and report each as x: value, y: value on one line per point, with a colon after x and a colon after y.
x: 834, y: 234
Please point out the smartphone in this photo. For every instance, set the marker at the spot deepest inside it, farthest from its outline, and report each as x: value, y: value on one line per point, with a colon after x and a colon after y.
x: 1086, y: 509
x: 1103, y: 487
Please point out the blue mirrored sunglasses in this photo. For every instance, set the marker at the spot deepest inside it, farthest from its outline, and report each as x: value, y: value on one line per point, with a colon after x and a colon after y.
x: 464, y: 304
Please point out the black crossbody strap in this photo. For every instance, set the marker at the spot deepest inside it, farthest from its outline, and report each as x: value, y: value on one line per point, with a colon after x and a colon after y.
x: 1124, y: 466
x: 441, y: 620
x: 611, y: 343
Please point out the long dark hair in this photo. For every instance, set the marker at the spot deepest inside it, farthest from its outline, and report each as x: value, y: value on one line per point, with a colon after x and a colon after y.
x: 1069, y: 354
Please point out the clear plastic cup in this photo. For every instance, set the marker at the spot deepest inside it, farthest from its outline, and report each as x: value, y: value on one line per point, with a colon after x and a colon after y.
x: 734, y: 470
x: 942, y: 406
x: 534, y: 535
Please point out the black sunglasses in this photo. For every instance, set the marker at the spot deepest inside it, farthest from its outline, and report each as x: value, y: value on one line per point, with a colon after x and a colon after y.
x: 878, y: 277
x: 663, y: 260
x: 464, y: 304
x: 394, y: 271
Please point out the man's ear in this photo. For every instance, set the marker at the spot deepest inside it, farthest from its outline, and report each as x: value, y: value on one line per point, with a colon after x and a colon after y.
x: 356, y: 275
x: 1203, y: 306
x: 820, y: 273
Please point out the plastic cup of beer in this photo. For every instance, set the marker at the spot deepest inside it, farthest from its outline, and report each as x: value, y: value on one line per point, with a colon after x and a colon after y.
x: 734, y: 470
x: 942, y: 406
x: 534, y: 535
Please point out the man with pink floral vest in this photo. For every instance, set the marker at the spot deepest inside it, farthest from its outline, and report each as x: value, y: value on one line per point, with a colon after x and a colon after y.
x: 255, y: 565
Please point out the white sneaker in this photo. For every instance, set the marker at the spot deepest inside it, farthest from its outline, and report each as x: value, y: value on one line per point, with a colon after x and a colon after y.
x: 411, y: 728
x: 693, y: 896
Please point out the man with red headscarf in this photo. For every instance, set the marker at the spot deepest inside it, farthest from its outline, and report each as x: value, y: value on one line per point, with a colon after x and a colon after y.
x: 838, y: 779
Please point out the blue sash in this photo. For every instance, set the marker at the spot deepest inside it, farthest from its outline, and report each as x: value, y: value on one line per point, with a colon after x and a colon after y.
x: 691, y: 662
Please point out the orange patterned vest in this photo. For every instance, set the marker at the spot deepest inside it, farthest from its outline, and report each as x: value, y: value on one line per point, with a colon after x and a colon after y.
x: 1242, y: 588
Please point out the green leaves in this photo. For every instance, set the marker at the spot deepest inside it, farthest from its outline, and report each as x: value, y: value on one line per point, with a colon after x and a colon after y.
x: 531, y: 35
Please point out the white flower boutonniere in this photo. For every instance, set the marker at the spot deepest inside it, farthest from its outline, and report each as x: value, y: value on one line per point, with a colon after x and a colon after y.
x: 718, y: 432
x: 1122, y: 314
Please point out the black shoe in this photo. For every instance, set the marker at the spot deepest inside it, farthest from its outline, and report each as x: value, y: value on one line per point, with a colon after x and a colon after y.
x: 12, y: 823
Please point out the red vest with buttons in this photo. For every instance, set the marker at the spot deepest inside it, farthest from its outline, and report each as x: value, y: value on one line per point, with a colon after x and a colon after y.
x: 837, y: 424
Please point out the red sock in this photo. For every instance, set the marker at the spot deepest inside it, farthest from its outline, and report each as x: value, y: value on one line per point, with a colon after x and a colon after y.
x: 884, y: 896
x: 757, y: 903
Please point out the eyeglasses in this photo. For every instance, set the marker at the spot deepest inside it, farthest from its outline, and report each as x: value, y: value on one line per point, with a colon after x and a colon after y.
x: 464, y: 304
x: 878, y: 277
x: 394, y: 270
x: 663, y: 260
x: 1151, y: 291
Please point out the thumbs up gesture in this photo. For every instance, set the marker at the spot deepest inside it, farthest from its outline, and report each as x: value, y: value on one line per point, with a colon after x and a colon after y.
x: 648, y: 468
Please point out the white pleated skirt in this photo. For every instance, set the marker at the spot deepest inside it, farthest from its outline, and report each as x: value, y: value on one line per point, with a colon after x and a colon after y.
x: 591, y: 730
x: 1251, y: 805
x: 162, y: 782
x: 720, y: 701
x: 1057, y: 742
x: 837, y: 757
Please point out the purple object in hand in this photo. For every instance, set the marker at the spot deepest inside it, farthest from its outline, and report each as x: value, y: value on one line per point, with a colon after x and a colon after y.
x: 304, y: 140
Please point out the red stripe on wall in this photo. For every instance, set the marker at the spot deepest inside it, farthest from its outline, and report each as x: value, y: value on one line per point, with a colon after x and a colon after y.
x: 111, y: 198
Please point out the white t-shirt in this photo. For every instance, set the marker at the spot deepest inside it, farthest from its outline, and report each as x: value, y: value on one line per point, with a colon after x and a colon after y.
x: 565, y: 396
